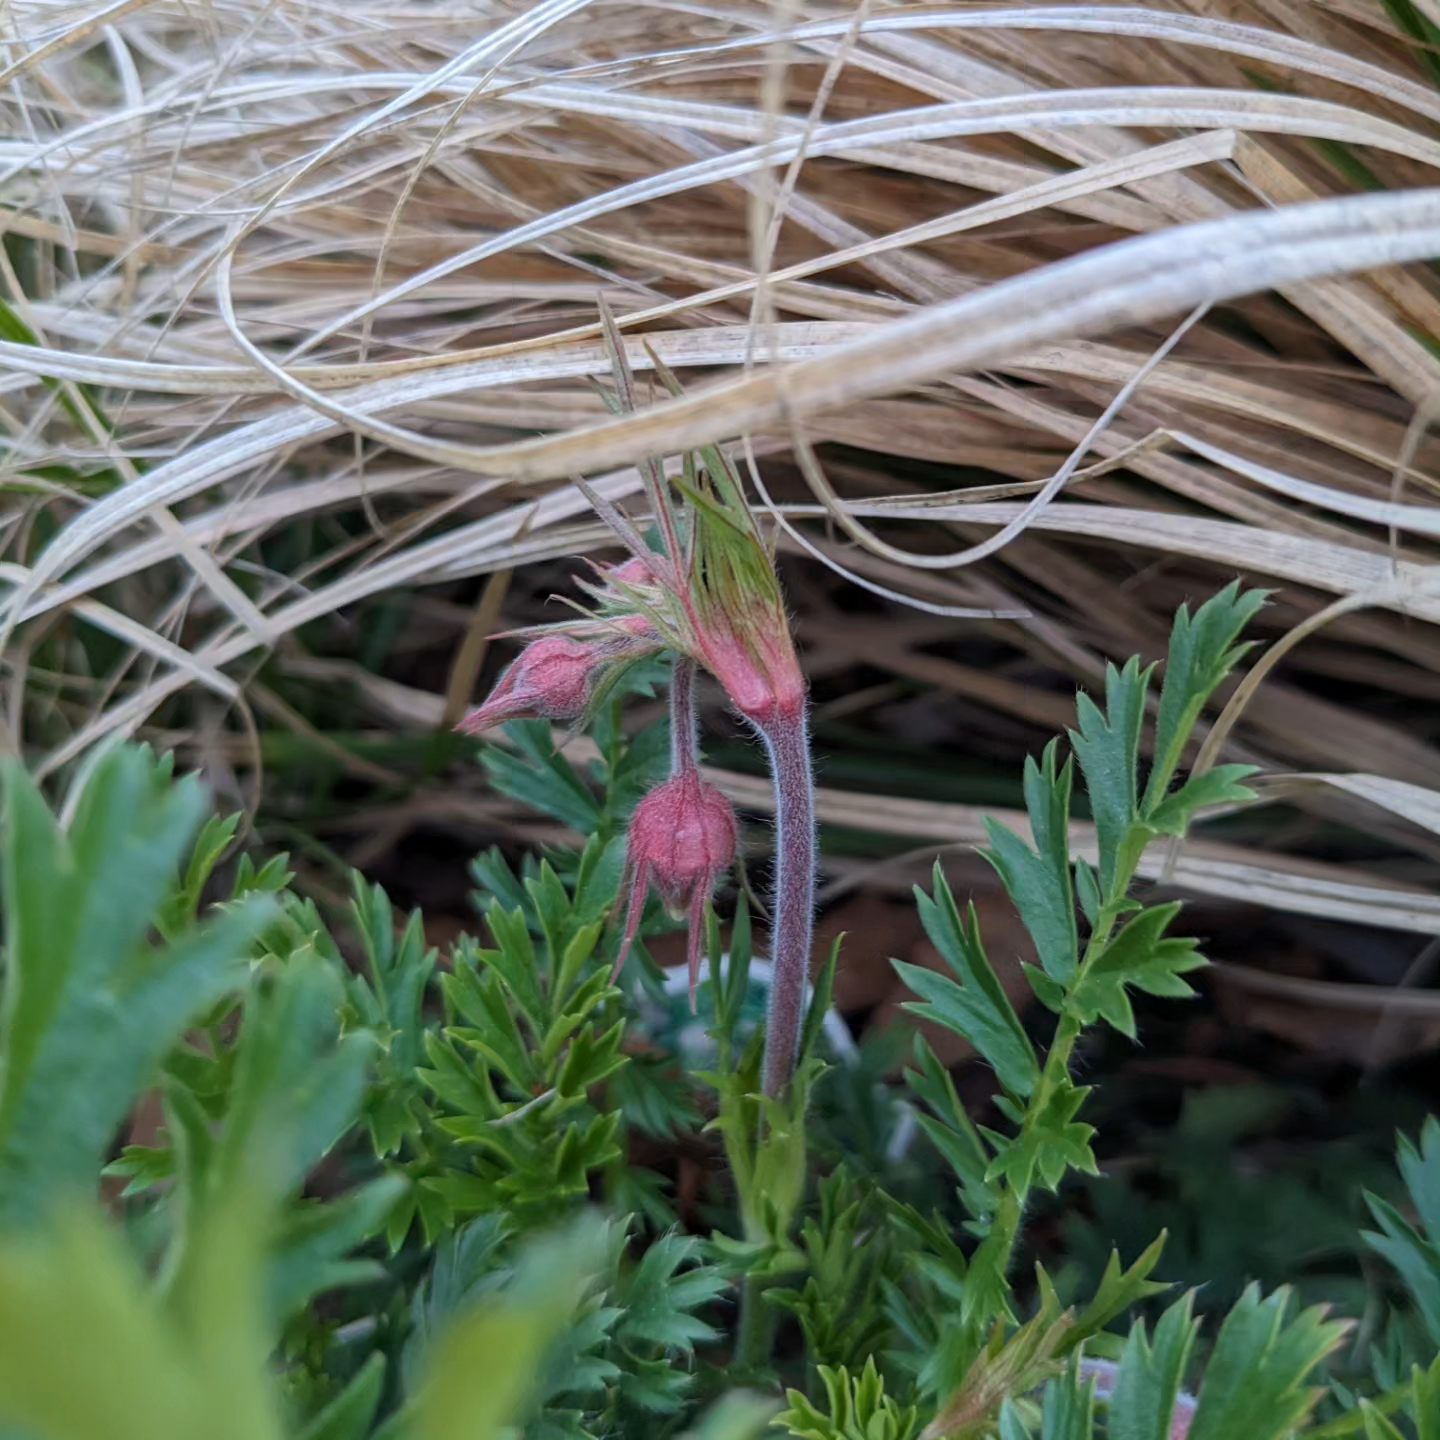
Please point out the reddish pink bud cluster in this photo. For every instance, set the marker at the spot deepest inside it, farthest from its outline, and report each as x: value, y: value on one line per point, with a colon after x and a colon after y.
x: 683, y: 835
x: 682, y: 839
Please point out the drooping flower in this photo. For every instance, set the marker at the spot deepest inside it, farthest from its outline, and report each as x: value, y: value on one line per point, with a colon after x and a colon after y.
x: 570, y: 666
x: 550, y: 679
x: 747, y: 648
x: 682, y: 839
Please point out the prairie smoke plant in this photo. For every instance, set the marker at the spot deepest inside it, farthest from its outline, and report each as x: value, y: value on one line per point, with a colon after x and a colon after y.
x: 714, y: 599
x: 710, y: 595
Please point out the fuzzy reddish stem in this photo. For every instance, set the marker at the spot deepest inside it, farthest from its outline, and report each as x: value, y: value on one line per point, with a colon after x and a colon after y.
x: 684, y: 755
x: 787, y: 740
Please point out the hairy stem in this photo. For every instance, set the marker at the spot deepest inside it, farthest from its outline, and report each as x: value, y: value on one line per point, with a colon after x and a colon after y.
x: 787, y: 740
x: 684, y: 750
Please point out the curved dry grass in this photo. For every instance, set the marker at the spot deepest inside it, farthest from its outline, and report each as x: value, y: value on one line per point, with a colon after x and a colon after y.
x: 273, y: 265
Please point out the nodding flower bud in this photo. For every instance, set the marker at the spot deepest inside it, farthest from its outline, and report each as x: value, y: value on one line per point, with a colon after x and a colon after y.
x: 637, y: 574
x: 634, y: 571
x: 682, y: 839
x: 750, y: 654
x: 550, y: 679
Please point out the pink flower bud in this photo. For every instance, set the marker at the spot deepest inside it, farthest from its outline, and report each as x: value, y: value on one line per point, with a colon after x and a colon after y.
x: 634, y: 571
x: 549, y: 680
x: 638, y: 626
x: 682, y: 839
x: 617, y: 615
x: 759, y: 672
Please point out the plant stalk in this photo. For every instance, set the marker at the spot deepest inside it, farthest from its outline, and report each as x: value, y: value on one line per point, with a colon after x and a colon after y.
x: 684, y: 749
x: 787, y: 741
x: 755, y: 1336
x: 1005, y: 1228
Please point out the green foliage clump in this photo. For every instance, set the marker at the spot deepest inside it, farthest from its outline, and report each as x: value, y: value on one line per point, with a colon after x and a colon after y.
x: 395, y: 1193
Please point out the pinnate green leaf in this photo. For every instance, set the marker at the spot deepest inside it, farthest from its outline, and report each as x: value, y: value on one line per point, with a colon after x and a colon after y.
x: 1107, y: 746
x: 1415, y: 1251
x: 950, y: 1129
x: 1051, y: 1144
x: 1148, y: 1381
x: 1220, y: 786
x: 1121, y: 1290
x: 665, y: 1290
x: 1377, y: 1425
x: 1068, y: 1411
x: 536, y: 774
x: 977, y: 1007
x: 1425, y: 1400
x: 87, y: 1349
x: 178, y: 910
x: 482, y: 1369
x: 1255, y: 1382
x: 350, y: 1414
x: 1420, y: 1170
x: 1038, y: 879
x: 1142, y: 955
x: 91, y: 1005
x: 1202, y: 652
x: 855, y: 1407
